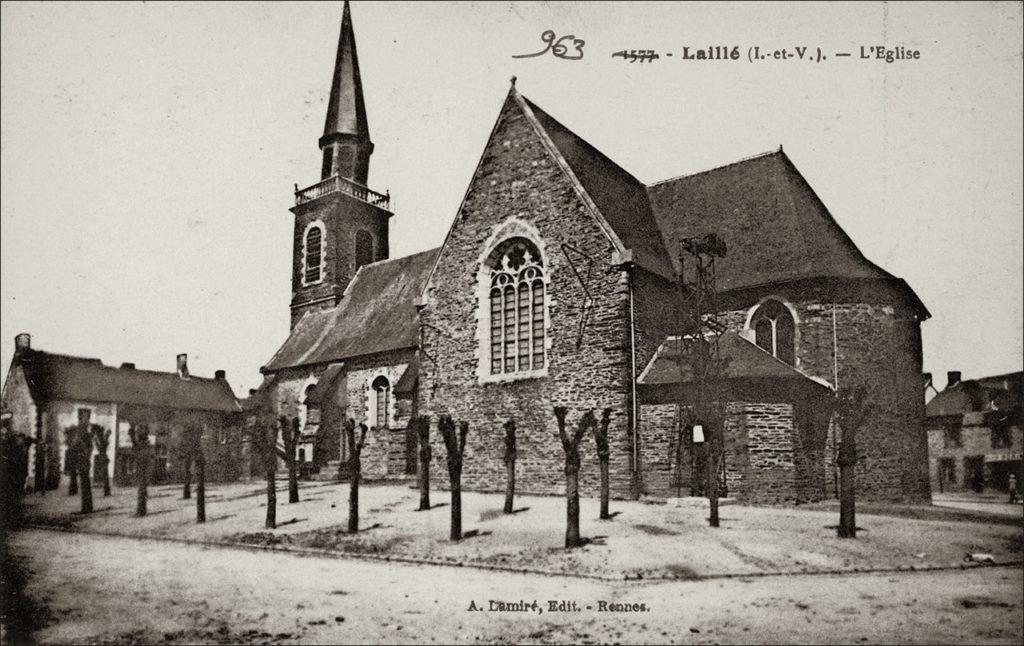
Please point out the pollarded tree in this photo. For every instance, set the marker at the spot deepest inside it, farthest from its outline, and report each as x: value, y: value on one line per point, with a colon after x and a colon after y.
x: 192, y: 439
x: 71, y: 460
x: 510, y: 464
x: 423, y: 437
x: 456, y: 447
x: 81, y: 438
x: 355, y: 450
x: 139, y: 435
x: 852, y: 409
x: 571, y: 445
x: 603, y: 452
x: 101, y: 438
x: 186, y: 458
x: 290, y: 439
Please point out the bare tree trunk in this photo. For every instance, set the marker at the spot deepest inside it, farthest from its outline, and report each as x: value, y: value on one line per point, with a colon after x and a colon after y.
x: 140, y: 443
x: 355, y: 449
x: 603, y: 453
x: 712, y: 463
x: 511, y: 454
x: 847, y: 485
x: 84, y: 466
x: 293, y: 474
x: 572, y: 471
x: 200, y: 484
x: 572, y: 508
x: 456, y: 446
x: 510, y: 486
x: 186, y: 491
x: 423, y: 435
x: 271, y: 522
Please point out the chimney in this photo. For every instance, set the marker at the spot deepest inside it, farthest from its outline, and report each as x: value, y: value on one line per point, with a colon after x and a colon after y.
x: 220, y: 374
x: 952, y: 378
x: 252, y: 391
x: 927, y: 380
x: 22, y: 342
x: 183, y: 365
x: 127, y: 365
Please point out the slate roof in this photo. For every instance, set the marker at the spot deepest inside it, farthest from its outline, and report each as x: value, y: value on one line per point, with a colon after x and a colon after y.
x: 56, y: 376
x: 745, y: 360
x: 621, y: 198
x: 376, y: 314
x: 977, y: 395
x: 775, y: 226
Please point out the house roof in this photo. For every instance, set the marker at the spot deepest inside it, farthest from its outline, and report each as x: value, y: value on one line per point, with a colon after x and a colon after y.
x: 621, y: 198
x: 376, y: 314
x: 57, y: 376
x: 744, y: 360
x: 978, y: 395
x: 775, y: 226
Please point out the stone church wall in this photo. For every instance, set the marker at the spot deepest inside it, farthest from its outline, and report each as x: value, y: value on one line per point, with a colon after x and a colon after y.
x: 518, y: 178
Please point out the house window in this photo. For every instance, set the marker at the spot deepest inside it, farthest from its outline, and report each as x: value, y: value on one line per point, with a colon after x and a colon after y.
x: 516, y: 306
x: 313, y: 253
x: 953, y: 435
x: 775, y: 330
x: 947, y: 470
x: 1001, y: 438
x: 364, y: 248
x: 382, y: 400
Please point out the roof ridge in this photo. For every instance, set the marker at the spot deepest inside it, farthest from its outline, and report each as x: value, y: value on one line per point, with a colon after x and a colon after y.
x: 768, y: 153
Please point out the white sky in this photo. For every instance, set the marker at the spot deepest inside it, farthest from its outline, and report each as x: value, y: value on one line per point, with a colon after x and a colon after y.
x: 149, y: 150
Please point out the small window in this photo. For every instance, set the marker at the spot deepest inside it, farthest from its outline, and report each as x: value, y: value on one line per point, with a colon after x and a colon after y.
x: 775, y: 330
x: 1001, y: 438
x: 312, y: 254
x: 953, y: 435
x: 947, y: 470
x: 382, y: 391
x: 364, y: 248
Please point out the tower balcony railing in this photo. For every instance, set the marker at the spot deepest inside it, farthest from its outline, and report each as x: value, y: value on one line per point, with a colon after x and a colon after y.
x: 339, y: 184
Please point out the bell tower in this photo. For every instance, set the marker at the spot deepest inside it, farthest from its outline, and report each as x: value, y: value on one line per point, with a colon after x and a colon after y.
x: 340, y: 224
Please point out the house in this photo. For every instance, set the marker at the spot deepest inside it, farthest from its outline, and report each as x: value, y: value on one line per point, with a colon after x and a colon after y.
x: 558, y: 283
x: 46, y: 393
x: 974, y: 433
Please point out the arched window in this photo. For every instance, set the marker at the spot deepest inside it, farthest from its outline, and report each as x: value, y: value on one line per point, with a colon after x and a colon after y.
x: 382, y: 396
x: 364, y: 248
x: 313, y: 253
x: 312, y: 409
x: 516, y: 307
x: 775, y: 330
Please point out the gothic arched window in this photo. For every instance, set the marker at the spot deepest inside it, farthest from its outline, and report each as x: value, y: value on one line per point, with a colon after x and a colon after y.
x: 516, y: 307
x: 313, y: 253
x: 382, y: 400
x: 364, y: 248
x: 775, y: 330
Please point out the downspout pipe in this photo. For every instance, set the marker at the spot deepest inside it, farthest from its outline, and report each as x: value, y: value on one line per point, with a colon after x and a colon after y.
x: 633, y: 415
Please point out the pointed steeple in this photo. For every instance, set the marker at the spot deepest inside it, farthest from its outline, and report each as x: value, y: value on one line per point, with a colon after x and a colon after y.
x: 346, y: 140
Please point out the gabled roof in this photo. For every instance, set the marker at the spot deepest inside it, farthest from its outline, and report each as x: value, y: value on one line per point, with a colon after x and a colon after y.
x: 775, y: 226
x: 744, y: 360
x: 376, y: 314
x: 56, y: 376
x: 978, y: 395
x: 346, y: 111
x: 619, y: 197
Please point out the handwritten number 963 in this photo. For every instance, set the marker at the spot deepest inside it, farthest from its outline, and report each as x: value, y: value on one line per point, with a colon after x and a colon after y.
x: 558, y: 47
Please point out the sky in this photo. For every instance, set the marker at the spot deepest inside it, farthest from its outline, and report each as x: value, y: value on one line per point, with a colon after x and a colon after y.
x: 148, y: 151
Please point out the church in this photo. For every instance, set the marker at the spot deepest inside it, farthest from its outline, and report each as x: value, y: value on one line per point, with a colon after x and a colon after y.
x: 558, y: 284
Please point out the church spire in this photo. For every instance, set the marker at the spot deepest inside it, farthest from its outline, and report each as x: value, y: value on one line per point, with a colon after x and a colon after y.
x: 346, y: 141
